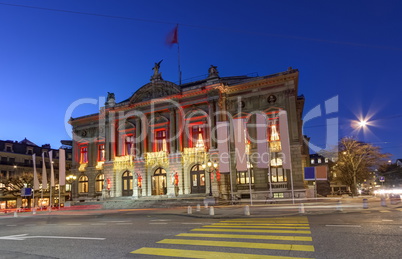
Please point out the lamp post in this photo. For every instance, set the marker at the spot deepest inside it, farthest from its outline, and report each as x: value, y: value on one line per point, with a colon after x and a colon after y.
x: 70, y: 179
x: 211, y: 167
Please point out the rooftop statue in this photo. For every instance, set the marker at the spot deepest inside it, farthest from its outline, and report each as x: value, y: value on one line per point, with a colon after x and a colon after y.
x: 156, y: 74
x: 213, y: 71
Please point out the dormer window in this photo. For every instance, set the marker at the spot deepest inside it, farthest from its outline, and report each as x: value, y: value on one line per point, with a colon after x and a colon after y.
x: 29, y: 150
x: 9, y: 147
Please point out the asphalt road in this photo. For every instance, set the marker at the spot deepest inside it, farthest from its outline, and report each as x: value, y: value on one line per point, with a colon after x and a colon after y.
x: 363, y: 234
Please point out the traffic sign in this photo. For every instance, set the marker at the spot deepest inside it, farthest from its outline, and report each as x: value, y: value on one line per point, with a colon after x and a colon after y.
x: 26, y: 191
x: 382, y: 179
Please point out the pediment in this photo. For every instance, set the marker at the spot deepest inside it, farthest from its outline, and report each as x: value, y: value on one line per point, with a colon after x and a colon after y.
x: 154, y: 90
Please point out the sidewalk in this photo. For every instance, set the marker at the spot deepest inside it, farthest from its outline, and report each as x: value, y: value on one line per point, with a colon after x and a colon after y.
x: 321, y: 206
x: 245, y: 209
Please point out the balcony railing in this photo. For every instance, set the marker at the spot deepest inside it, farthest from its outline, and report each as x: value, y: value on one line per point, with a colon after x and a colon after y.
x: 281, y: 185
x: 157, y: 158
x: 193, y: 155
x: 123, y: 162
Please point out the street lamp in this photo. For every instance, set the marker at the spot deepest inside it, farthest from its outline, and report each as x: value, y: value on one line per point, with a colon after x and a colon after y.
x: 211, y: 167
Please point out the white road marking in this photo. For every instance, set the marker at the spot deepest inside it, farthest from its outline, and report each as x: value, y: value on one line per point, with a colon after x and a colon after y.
x: 348, y: 226
x: 160, y: 219
x: 25, y: 236
x: 11, y: 225
x: 387, y: 220
x: 124, y: 223
x: 158, y: 223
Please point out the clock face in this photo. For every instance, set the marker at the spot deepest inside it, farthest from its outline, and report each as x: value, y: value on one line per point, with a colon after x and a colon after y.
x: 271, y: 99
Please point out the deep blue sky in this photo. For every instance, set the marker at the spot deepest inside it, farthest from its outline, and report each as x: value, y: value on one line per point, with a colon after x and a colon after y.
x: 50, y: 59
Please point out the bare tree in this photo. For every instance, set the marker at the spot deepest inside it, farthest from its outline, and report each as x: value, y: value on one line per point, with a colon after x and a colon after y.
x: 356, y: 160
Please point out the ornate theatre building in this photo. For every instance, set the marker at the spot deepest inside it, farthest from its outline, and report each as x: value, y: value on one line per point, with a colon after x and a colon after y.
x: 163, y: 140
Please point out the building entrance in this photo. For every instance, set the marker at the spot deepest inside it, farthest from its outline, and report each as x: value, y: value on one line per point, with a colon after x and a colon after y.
x: 159, y: 182
x: 127, y: 181
x: 197, y: 176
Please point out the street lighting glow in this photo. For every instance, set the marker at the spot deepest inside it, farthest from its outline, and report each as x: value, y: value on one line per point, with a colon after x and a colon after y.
x: 362, y: 123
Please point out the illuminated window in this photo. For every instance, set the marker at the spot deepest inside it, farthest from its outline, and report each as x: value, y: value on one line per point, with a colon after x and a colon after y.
x: 242, y: 177
x: 129, y: 145
x: 100, y: 179
x: 319, y: 160
x: 312, y: 161
x: 161, y: 141
x: 273, y: 135
x: 84, y: 155
x: 278, y: 195
x: 83, y: 184
x: 197, y: 136
x: 101, y: 152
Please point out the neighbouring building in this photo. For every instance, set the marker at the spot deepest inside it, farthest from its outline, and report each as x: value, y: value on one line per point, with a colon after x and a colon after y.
x: 16, y: 172
x: 157, y: 141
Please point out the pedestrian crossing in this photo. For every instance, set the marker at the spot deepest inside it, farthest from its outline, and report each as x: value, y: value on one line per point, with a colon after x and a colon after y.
x: 282, y: 237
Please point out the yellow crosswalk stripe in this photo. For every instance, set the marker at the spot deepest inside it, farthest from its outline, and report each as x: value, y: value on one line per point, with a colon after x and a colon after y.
x: 269, y: 221
x: 205, y: 254
x: 384, y: 211
x: 262, y: 237
x: 292, y: 219
x: 248, y: 226
x: 260, y: 224
x: 287, y: 247
x: 253, y: 230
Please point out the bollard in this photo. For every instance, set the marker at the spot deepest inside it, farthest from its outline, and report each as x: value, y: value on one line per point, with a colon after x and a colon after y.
x: 211, y: 211
x: 206, y: 204
x: 189, y: 210
x: 339, y: 206
x: 198, y: 207
x: 33, y: 211
x: 247, y: 210
x: 365, y: 204
x: 383, y: 202
x: 15, y: 214
x: 301, y: 209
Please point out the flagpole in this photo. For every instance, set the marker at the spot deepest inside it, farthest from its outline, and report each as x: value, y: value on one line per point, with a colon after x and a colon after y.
x: 59, y: 194
x: 178, y: 54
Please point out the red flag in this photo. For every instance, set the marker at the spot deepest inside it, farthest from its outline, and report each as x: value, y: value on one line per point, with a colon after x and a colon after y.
x: 172, y: 37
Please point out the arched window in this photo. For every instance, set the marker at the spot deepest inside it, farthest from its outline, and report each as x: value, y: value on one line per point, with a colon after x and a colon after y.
x: 100, y: 179
x: 83, y: 184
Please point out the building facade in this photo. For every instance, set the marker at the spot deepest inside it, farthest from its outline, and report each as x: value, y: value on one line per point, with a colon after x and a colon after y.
x: 159, y: 140
x: 16, y: 172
